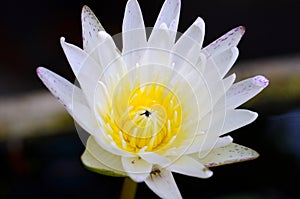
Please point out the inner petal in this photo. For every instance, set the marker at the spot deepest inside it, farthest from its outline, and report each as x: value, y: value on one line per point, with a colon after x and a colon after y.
x: 151, y: 107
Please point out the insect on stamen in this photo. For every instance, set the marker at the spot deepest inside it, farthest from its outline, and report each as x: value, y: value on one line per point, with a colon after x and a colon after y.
x: 146, y: 113
x: 155, y: 172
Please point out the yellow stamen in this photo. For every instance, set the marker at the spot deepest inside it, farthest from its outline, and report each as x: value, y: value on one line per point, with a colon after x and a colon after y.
x: 147, y: 117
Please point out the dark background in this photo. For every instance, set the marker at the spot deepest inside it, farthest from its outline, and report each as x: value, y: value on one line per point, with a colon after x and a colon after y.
x: 49, y: 167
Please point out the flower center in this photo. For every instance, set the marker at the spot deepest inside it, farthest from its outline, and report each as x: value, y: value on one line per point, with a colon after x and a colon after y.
x: 148, y: 117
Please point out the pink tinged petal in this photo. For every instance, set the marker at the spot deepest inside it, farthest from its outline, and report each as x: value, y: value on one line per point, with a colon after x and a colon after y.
x: 100, y: 160
x: 227, y: 41
x: 90, y: 28
x: 228, y: 154
x: 169, y: 14
x: 133, y: 30
x: 163, y: 184
x: 188, y: 166
x: 225, y: 60
x: 71, y: 97
x: 136, y: 168
x: 59, y: 87
x: 244, y: 90
x: 237, y: 118
x: 186, y: 49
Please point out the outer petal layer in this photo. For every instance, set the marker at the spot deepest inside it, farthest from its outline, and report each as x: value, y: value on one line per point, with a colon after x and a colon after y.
x: 90, y: 28
x: 228, y: 40
x: 70, y: 96
x: 95, y: 165
x: 188, y: 166
x: 244, y: 90
x: 238, y: 118
x: 97, y: 159
x: 228, y: 154
x: 163, y: 184
x: 136, y: 168
x: 169, y: 14
x: 133, y: 30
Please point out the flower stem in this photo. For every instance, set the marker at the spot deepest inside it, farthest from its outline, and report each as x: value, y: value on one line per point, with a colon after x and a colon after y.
x: 128, y: 189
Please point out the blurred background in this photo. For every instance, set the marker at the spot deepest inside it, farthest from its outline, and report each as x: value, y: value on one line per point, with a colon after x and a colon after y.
x: 40, y: 149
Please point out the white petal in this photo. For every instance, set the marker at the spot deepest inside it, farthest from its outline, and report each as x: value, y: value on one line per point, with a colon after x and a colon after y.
x: 71, y: 97
x: 90, y: 28
x: 109, y: 145
x: 186, y: 49
x: 244, y: 90
x: 106, y: 49
x: 169, y: 14
x: 154, y: 158
x: 74, y: 54
x: 86, y: 70
x: 228, y: 154
x: 95, y: 165
x: 159, y: 46
x: 136, y: 168
x: 203, y: 143
x: 133, y: 30
x: 163, y: 184
x: 109, y: 160
x: 110, y: 60
x: 188, y: 166
x: 221, y: 142
x: 237, y: 118
x: 228, y: 40
x: 160, y: 38
x: 228, y: 81
x: 225, y: 60
x: 61, y: 88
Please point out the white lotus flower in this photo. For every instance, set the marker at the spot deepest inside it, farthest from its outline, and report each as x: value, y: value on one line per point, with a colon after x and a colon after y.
x: 159, y: 106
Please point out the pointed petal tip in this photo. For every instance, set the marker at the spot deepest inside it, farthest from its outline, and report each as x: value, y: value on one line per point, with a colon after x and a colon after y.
x: 40, y: 71
x: 255, y: 154
x: 103, y: 35
x: 199, y: 22
x: 208, y: 173
x: 260, y: 81
x: 242, y: 28
x: 85, y: 9
x: 163, y: 26
x: 129, y: 2
x: 62, y: 40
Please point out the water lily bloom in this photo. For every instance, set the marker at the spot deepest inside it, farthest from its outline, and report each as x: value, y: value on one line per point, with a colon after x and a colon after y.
x: 160, y: 104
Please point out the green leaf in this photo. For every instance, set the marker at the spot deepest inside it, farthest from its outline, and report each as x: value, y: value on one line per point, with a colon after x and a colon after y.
x: 229, y: 154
